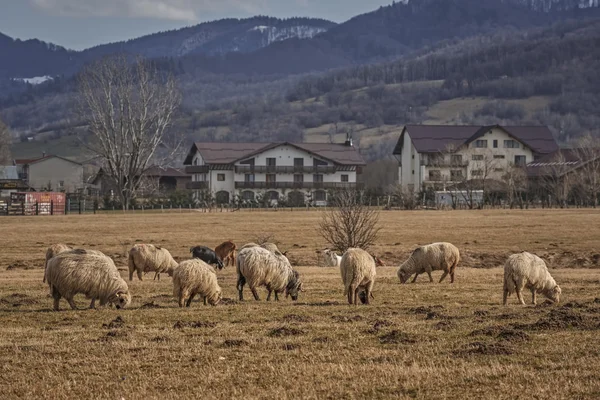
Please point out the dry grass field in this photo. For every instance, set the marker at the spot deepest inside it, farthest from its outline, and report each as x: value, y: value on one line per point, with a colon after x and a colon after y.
x: 418, y: 340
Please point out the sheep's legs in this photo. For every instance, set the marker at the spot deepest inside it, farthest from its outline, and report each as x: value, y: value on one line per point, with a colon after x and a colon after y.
x: 269, y: 295
x: 189, y: 301
x: 254, y: 293
x: 276, y: 297
x: 452, y: 276
x: 205, y: 300
x: 443, y: 276
x: 533, y: 297
x: 430, y: 277
x: 351, y: 291
x: 139, y: 274
x: 240, y: 287
x: 368, y: 293
x: 72, y: 303
x: 415, y: 278
x: 505, y: 297
x: 156, y: 275
x: 520, y: 296
x: 93, y: 303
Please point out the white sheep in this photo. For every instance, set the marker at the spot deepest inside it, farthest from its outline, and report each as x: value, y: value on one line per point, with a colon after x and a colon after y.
x: 332, y: 259
x: 52, y: 251
x: 87, y: 272
x: 432, y: 257
x: 193, y: 277
x: 358, y: 271
x: 147, y: 258
x: 526, y: 270
x: 260, y: 267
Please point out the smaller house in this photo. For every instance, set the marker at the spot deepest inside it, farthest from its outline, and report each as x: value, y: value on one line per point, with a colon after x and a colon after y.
x: 157, y: 180
x: 10, y: 182
x: 51, y: 173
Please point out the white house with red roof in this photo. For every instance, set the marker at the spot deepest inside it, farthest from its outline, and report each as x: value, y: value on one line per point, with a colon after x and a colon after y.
x: 298, y: 172
x: 443, y: 156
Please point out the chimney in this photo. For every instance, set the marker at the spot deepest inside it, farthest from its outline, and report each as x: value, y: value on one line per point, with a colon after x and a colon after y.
x: 348, y: 141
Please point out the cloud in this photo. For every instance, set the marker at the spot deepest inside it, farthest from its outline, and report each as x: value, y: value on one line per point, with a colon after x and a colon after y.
x: 179, y: 10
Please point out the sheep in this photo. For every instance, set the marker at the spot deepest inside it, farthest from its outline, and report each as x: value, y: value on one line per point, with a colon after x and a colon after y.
x: 358, y: 274
x: 260, y: 267
x: 436, y: 256
x: 147, y: 257
x: 249, y: 245
x: 52, y: 251
x: 207, y: 255
x: 196, y: 277
x: 526, y: 270
x: 226, y: 252
x: 87, y: 272
x: 333, y: 260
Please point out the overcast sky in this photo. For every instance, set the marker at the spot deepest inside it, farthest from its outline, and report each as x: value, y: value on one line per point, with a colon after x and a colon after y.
x: 78, y: 24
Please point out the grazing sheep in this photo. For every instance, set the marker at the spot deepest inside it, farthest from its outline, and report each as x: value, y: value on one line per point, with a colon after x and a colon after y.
x: 52, y: 251
x: 90, y: 273
x: 526, y: 270
x: 194, y: 277
x: 331, y: 258
x: 432, y: 257
x: 207, y: 255
x: 260, y: 267
x: 249, y: 245
x: 147, y: 257
x: 272, y: 247
x: 358, y: 273
x: 226, y: 252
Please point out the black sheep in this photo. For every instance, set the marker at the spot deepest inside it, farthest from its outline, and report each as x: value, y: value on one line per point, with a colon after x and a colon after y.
x: 207, y: 255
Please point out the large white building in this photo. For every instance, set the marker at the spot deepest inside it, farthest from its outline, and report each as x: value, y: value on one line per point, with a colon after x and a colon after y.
x: 443, y: 156
x: 298, y: 173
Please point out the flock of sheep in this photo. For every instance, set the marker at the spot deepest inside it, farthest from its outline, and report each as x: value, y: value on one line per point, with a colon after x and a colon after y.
x: 90, y: 272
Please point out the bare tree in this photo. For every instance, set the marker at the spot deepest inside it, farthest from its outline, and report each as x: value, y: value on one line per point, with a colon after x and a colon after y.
x: 349, y: 223
x: 588, y: 153
x: 515, y: 178
x: 5, y: 142
x: 128, y: 108
x: 558, y: 181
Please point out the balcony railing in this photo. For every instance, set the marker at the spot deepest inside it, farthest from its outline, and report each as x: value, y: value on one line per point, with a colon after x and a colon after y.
x: 261, y: 169
x: 297, y: 185
x: 444, y: 164
x: 197, y: 169
x: 197, y: 185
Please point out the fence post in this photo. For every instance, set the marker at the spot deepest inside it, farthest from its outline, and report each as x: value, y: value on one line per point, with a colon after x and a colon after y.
x: 37, y: 208
x: 162, y: 208
x: 51, y: 207
x: 23, y: 207
x: 79, y: 207
x: 69, y: 205
x: 84, y: 209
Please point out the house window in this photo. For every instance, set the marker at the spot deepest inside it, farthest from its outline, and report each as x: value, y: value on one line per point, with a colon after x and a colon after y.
x: 435, y: 175
x: 456, y: 175
x: 249, y: 178
x: 344, y: 178
x: 247, y: 195
x: 480, y: 144
x: 271, y: 164
x: 477, y: 172
x: 511, y: 144
x: 499, y: 156
x: 320, y: 195
x: 298, y: 178
x: 477, y: 157
x: 61, y: 184
x: 195, y: 161
x: 495, y: 144
x: 298, y: 162
x: 520, y: 161
x: 317, y: 178
x: 271, y: 178
x: 220, y: 177
x: 456, y: 159
x: 273, y: 196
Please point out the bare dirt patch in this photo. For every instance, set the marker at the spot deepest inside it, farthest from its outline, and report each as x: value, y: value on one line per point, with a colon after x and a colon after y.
x: 485, y: 349
x: 194, y: 324
x: 397, y: 337
x: 285, y: 331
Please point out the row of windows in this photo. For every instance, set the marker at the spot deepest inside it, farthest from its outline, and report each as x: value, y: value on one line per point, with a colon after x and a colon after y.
x: 297, y: 178
x: 508, y: 144
x: 519, y: 160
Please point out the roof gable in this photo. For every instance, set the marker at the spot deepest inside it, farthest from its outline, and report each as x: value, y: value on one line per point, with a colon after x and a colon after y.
x: 30, y: 161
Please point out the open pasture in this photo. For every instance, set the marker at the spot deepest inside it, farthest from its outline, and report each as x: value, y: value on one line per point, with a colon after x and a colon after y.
x: 418, y: 340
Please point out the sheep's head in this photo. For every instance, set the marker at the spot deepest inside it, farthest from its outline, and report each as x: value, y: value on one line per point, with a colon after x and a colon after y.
x: 294, y: 286
x: 403, y: 275
x: 215, y: 298
x: 120, y: 299
x: 331, y: 257
x: 219, y: 263
x: 555, y: 294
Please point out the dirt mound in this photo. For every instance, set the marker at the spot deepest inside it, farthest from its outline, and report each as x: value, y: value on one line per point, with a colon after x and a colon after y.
x: 285, y: 331
x: 290, y: 346
x: 513, y: 335
x: 343, y: 318
x: 152, y: 304
x: 18, y: 299
x: 20, y: 264
x: 486, y: 349
x: 115, y: 323
x: 564, y: 318
x: 234, y: 343
x: 228, y: 301
x: 296, y: 318
x: 160, y: 339
x: 425, y: 309
x: 397, y: 337
x: 196, y: 324
x: 444, y: 325
x: 322, y: 339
